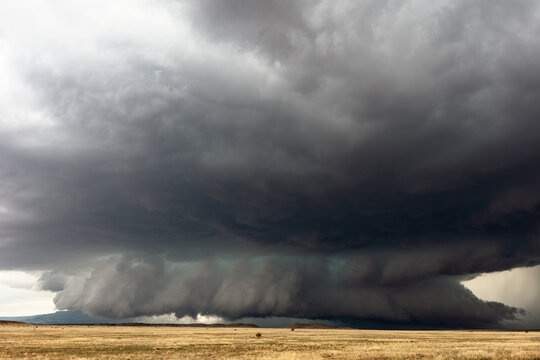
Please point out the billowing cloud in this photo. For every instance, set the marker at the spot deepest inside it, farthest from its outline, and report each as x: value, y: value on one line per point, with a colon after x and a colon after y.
x: 328, y: 159
x: 314, y: 288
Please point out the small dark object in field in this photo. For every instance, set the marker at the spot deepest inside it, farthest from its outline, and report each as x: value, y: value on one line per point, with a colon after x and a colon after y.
x: 258, y: 335
x: 234, y: 329
x: 292, y: 329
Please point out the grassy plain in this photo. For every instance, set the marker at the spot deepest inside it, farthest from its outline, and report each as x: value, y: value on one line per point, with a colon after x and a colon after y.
x: 116, y: 342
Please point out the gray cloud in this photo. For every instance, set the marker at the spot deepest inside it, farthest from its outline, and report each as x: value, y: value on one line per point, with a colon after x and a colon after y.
x: 313, y: 288
x: 399, y: 137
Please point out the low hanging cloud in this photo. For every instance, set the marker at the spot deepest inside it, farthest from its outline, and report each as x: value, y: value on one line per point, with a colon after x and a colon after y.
x: 260, y: 287
x: 326, y: 159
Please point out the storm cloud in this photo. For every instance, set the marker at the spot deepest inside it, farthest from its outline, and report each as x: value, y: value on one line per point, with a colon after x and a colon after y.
x: 314, y: 159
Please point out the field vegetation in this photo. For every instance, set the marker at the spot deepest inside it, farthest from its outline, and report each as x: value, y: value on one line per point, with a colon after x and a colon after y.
x: 134, y: 342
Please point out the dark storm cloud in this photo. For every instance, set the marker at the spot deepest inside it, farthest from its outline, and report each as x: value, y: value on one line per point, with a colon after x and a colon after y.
x: 376, y: 153
x: 258, y: 287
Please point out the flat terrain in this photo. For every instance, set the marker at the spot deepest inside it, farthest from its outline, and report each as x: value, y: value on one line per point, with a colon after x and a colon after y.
x: 109, y: 342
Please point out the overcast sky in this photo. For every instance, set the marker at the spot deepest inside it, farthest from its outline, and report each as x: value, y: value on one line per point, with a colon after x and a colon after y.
x: 343, y: 160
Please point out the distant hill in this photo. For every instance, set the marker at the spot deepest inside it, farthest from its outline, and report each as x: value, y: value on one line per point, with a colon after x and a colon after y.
x: 312, y: 325
x: 80, y: 318
x: 11, y: 323
x: 60, y: 317
x: 240, y: 325
x: 232, y: 325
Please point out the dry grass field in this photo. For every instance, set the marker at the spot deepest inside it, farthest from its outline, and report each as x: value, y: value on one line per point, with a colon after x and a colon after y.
x: 110, y: 342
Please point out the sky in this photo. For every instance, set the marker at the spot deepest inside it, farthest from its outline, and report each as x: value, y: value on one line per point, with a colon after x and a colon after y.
x: 367, y: 162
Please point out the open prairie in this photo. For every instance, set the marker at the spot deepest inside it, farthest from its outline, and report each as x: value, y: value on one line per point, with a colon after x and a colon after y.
x: 130, y: 342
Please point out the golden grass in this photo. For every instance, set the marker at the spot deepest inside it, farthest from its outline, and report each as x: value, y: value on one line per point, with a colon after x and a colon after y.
x: 108, y: 342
